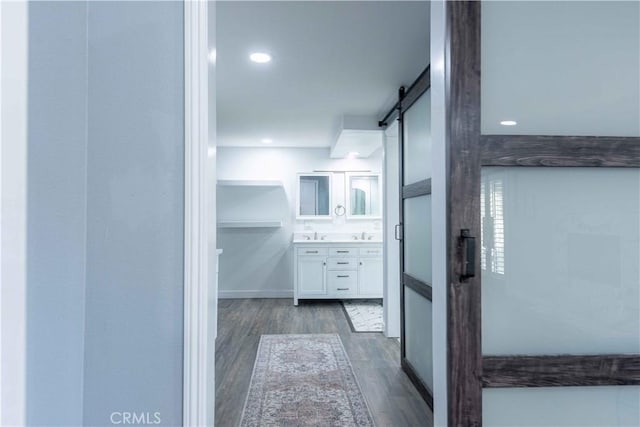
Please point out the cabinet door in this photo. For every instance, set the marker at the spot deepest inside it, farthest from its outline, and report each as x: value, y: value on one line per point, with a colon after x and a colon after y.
x: 311, y: 275
x: 370, y: 277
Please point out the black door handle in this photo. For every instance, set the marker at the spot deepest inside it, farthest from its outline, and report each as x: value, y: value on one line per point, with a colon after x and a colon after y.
x: 468, y: 244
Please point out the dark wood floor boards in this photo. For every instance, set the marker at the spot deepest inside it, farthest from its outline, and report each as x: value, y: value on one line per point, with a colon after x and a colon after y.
x: 393, y: 400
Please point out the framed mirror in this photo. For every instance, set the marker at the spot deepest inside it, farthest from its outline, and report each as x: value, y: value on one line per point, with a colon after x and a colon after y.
x: 364, y: 195
x: 314, y: 196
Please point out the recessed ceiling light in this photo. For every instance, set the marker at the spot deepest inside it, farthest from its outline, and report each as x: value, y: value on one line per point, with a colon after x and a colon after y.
x: 260, y: 57
x: 266, y: 140
x: 508, y: 123
x: 212, y: 56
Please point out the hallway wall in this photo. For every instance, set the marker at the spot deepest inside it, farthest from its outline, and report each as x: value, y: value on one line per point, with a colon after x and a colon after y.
x: 56, y: 214
x: 259, y: 261
x: 135, y: 208
x: 105, y: 212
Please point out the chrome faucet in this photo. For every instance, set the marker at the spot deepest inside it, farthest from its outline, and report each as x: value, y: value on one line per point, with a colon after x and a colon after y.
x: 363, y: 235
x: 315, y: 235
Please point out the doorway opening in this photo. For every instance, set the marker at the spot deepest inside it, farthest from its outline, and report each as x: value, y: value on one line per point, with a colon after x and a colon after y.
x: 308, y: 194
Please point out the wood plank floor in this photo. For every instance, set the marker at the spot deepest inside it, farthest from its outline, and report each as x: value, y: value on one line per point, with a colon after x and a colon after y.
x: 392, y: 398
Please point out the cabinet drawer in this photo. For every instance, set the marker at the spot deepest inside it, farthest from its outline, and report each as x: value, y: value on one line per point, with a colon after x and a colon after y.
x: 343, y: 251
x: 342, y: 263
x: 375, y: 251
x: 343, y: 282
x: 312, y: 251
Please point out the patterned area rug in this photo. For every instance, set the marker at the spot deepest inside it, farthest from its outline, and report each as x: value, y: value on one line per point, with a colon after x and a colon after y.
x: 304, y: 380
x: 364, y: 315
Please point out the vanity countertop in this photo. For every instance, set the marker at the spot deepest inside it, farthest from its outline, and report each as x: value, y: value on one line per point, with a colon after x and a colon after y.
x: 335, y: 242
x: 340, y: 238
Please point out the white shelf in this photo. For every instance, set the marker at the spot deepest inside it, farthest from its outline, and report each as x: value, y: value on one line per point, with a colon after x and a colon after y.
x: 248, y: 183
x: 249, y: 224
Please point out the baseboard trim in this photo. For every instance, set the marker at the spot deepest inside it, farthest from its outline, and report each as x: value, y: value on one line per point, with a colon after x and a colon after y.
x: 265, y: 293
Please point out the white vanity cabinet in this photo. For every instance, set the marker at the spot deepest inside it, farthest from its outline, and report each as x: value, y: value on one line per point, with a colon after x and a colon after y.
x: 312, y: 272
x: 337, y: 270
x: 370, y: 277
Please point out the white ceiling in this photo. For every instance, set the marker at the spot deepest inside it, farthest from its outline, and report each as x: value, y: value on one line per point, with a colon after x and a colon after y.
x: 329, y: 59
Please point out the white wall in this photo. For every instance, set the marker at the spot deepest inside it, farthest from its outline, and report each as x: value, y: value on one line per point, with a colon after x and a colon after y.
x: 391, y: 245
x: 259, y: 262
